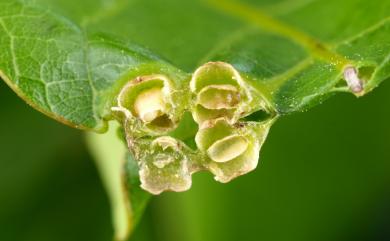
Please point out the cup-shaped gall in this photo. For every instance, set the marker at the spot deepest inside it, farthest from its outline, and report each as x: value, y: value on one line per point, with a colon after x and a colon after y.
x: 164, y: 166
x: 219, y: 92
x: 231, y: 150
x: 148, y: 100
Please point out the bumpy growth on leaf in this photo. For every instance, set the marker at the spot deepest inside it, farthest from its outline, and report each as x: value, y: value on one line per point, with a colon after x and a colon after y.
x: 70, y: 59
x: 219, y: 99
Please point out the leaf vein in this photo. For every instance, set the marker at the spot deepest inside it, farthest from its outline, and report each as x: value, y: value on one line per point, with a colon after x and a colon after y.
x: 257, y: 17
x: 12, y: 51
x: 366, y: 31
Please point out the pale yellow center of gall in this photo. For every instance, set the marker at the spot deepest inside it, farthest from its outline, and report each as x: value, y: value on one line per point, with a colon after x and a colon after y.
x: 217, y: 97
x: 228, y: 148
x: 149, y: 104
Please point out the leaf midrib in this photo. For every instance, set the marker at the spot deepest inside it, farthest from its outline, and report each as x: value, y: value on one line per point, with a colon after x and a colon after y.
x: 257, y: 17
x: 115, y: 7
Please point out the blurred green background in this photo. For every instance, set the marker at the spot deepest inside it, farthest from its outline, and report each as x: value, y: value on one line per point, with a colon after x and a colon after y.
x: 324, y: 176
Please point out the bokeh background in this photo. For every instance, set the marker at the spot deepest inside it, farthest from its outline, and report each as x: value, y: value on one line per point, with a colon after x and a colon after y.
x: 324, y: 176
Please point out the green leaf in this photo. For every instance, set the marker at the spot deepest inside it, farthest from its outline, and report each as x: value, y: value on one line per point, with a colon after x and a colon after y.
x: 293, y: 51
x: 71, y: 59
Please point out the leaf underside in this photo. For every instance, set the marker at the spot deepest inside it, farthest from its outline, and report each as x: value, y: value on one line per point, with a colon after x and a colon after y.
x: 57, y: 54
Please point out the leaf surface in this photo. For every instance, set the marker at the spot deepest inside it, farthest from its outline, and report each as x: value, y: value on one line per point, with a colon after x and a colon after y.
x: 54, y: 55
